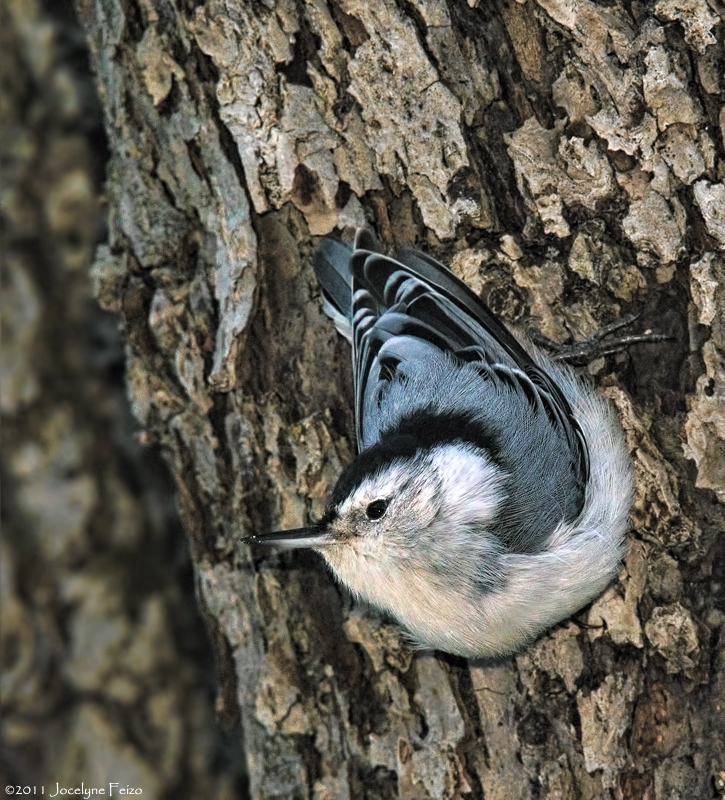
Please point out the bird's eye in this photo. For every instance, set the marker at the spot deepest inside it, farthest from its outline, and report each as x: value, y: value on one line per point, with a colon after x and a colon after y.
x: 376, y: 509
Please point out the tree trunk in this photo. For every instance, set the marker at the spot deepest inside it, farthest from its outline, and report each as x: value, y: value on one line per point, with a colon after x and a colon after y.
x: 107, y: 675
x: 565, y: 158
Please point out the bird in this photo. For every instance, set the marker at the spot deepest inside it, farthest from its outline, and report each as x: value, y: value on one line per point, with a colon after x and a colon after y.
x: 490, y: 496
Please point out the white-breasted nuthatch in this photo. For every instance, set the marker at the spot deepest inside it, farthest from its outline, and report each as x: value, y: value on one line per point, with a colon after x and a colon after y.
x: 490, y: 497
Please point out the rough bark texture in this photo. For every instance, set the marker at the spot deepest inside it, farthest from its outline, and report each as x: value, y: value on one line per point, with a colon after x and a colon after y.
x: 106, y: 669
x: 567, y: 159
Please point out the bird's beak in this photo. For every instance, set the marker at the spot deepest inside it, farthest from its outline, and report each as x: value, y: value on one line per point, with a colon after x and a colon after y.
x: 314, y: 536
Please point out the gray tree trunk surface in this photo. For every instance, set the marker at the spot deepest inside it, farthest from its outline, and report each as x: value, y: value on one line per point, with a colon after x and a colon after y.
x: 105, y: 670
x: 567, y: 159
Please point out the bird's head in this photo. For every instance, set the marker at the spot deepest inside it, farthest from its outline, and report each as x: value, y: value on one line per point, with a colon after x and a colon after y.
x: 399, y: 506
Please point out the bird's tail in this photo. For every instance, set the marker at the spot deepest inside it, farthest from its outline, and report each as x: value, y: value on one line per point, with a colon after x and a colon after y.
x: 331, y: 263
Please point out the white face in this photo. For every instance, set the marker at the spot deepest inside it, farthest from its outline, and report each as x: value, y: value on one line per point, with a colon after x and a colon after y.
x: 408, y: 507
x: 387, y: 509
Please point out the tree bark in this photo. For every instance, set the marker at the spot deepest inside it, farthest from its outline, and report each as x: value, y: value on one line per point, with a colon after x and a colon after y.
x: 106, y: 672
x: 567, y: 159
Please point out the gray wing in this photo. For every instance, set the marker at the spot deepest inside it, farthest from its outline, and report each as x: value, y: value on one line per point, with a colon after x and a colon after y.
x: 406, y: 309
